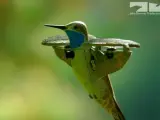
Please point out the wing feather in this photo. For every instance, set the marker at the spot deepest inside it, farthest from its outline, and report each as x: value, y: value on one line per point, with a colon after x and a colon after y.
x: 111, y: 42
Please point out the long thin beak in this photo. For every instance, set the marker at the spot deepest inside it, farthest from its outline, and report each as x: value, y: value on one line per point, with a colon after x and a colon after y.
x: 62, y: 27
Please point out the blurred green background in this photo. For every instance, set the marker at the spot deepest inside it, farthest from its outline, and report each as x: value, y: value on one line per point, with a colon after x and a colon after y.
x: 36, y: 85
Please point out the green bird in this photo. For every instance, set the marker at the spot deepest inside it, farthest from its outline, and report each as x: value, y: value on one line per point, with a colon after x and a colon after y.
x: 92, y: 60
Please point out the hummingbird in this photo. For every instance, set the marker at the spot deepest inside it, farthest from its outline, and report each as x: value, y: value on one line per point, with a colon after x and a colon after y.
x: 92, y: 60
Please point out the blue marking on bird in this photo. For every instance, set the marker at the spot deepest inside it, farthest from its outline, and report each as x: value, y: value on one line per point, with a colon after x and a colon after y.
x: 76, y: 38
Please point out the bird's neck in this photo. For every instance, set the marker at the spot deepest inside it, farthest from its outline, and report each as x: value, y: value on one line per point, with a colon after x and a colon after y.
x: 76, y: 38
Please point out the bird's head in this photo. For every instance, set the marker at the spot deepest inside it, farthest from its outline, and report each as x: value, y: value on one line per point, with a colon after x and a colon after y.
x: 76, y: 31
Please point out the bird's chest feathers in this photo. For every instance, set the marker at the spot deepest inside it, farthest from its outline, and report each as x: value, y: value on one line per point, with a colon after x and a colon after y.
x: 79, y: 62
x: 80, y: 67
x: 76, y: 38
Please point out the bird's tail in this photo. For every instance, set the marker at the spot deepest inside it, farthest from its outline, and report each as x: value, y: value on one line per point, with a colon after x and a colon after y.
x: 116, y: 112
x: 109, y: 102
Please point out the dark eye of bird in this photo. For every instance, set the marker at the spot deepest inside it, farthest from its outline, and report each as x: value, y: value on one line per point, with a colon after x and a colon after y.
x: 75, y: 27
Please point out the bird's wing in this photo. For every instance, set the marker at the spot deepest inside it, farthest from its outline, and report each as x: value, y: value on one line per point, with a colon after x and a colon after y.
x: 108, y: 60
x: 60, y: 40
x: 61, y: 54
x: 111, y: 42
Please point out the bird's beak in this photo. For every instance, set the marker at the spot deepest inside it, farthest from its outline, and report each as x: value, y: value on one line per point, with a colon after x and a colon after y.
x: 62, y: 27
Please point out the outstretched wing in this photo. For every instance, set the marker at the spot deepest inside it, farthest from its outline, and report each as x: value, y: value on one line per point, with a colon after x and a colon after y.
x: 58, y: 40
x: 108, y: 60
x: 111, y: 42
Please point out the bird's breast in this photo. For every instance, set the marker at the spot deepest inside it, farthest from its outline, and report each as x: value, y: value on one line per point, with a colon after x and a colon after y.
x: 80, y: 66
x: 91, y: 80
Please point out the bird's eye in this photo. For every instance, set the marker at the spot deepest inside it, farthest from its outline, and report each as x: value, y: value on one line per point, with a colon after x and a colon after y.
x: 75, y: 27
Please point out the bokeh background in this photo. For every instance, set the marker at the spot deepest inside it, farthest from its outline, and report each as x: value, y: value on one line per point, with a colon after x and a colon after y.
x: 36, y: 85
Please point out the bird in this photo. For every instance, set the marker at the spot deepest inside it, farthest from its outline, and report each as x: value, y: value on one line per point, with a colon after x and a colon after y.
x: 92, y: 60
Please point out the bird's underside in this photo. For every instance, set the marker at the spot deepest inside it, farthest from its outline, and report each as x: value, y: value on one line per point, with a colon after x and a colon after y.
x: 102, y: 61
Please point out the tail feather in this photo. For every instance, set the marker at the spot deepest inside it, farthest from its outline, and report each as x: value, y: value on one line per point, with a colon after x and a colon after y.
x: 109, y: 102
x: 117, y: 113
